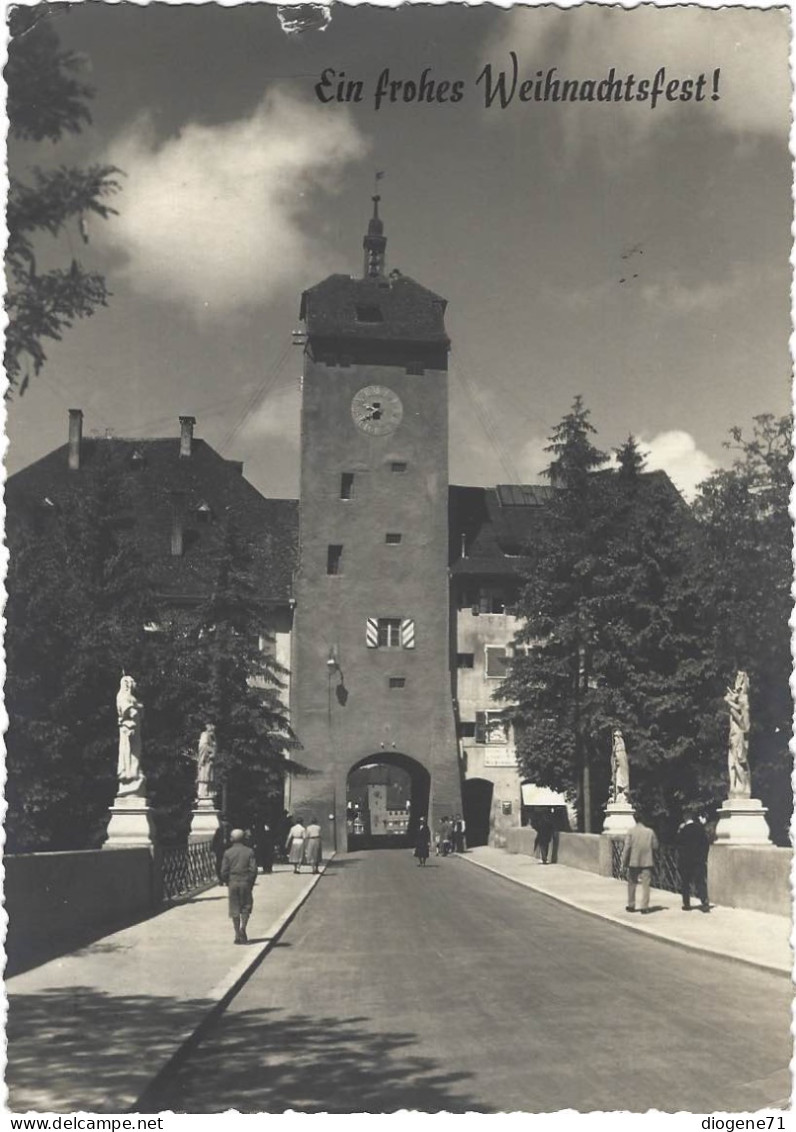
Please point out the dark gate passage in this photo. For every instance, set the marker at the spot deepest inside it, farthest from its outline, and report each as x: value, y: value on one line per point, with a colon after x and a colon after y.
x: 477, y: 801
x: 386, y: 794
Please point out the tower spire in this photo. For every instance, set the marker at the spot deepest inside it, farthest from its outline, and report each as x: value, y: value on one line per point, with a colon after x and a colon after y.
x: 374, y: 243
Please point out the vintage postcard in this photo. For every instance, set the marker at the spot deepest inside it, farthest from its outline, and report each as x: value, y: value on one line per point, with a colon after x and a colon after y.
x: 399, y: 427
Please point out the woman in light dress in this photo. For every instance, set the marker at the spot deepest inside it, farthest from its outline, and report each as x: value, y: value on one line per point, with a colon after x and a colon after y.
x: 295, y: 845
x: 312, y: 844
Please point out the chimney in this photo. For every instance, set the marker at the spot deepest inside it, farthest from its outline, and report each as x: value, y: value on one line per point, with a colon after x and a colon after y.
x: 177, y: 523
x: 75, y: 438
x: 186, y: 435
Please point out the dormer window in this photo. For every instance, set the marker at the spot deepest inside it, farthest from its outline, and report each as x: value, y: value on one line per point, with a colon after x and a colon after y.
x: 369, y: 313
x: 204, y: 513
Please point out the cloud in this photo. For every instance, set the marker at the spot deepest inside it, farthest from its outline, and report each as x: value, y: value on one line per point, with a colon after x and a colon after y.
x: 750, y: 47
x: 278, y: 415
x: 532, y: 460
x: 213, y: 218
x: 676, y: 453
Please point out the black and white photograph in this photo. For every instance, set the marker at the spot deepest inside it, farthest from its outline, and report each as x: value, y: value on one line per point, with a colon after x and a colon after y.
x: 398, y: 562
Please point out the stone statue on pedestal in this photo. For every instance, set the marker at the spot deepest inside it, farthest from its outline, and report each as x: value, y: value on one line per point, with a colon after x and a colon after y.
x: 206, y: 764
x: 620, y: 768
x: 737, y: 699
x: 130, y: 712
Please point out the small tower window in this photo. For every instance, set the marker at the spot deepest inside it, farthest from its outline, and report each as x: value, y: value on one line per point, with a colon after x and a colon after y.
x: 347, y: 485
x: 392, y: 538
x: 204, y: 513
x: 369, y: 313
x: 334, y: 559
x: 398, y: 467
x: 397, y: 682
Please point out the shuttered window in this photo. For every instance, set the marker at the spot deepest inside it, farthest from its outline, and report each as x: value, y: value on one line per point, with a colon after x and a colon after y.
x: 390, y: 633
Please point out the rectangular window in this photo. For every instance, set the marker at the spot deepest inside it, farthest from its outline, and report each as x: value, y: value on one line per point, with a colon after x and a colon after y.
x: 490, y: 728
x: 398, y: 466
x: 496, y: 662
x: 389, y: 632
x: 347, y: 485
x: 415, y: 368
x: 466, y: 729
x: 392, y: 538
x: 334, y: 560
x: 397, y: 682
x: 465, y: 660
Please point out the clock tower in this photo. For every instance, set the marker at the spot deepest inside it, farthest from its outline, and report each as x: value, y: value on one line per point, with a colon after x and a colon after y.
x: 371, y: 666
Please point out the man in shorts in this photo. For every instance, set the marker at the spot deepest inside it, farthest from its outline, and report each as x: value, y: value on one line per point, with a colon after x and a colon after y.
x: 239, y: 872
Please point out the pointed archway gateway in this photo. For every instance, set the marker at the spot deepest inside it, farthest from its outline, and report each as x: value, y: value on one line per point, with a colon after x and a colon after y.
x: 386, y: 794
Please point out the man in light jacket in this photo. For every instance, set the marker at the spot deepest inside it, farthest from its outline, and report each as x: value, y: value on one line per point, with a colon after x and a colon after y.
x: 638, y: 858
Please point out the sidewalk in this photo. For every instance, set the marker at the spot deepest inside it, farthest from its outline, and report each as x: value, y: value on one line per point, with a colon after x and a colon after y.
x: 93, y: 1029
x: 735, y: 933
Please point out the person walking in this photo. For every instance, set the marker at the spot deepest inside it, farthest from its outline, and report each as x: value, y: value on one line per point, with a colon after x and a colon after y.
x: 238, y: 873
x: 422, y: 842
x: 295, y: 845
x: 545, y: 828
x: 638, y: 857
x: 312, y: 844
x: 692, y: 859
x: 458, y: 834
x: 265, y: 848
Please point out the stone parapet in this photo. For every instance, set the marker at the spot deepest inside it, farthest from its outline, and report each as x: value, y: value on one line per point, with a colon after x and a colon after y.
x: 754, y: 877
x: 58, y: 900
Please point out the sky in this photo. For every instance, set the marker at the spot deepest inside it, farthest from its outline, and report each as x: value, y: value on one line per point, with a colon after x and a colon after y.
x: 634, y: 255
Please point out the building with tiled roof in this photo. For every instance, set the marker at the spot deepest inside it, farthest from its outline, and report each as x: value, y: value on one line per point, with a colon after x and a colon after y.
x: 183, y: 488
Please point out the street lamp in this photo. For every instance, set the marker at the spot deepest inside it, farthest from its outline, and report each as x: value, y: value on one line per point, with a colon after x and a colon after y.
x: 332, y: 666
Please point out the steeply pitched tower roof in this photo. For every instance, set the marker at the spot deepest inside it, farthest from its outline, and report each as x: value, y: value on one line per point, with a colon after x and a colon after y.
x: 375, y: 307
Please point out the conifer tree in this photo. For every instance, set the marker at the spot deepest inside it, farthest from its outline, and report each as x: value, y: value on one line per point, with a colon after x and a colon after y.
x: 549, y: 687
x: 612, y: 638
x: 225, y: 673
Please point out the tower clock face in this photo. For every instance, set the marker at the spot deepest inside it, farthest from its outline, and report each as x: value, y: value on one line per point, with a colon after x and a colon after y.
x: 377, y: 410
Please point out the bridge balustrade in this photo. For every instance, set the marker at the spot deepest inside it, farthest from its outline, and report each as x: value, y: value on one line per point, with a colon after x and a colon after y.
x: 665, y: 873
x: 187, y: 868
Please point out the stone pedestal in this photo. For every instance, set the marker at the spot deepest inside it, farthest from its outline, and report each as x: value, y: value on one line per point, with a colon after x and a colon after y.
x: 131, y: 824
x: 619, y: 819
x: 206, y: 819
x: 742, y: 821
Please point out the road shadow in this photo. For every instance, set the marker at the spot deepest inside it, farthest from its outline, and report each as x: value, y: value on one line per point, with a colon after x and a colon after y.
x: 78, y: 1049
x: 74, y: 1049
x: 265, y: 1061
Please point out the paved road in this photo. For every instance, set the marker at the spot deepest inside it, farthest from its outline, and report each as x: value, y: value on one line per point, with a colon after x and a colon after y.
x: 450, y: 989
